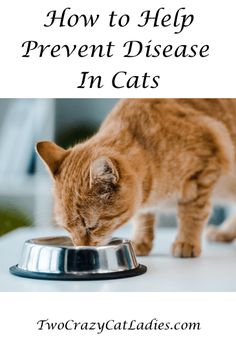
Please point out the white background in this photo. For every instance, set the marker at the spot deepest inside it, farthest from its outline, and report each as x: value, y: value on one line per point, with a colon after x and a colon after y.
x: 214, y: 76
x: 20, y: 312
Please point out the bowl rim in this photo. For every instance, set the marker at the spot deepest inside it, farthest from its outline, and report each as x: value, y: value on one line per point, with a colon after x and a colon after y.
x: 100, y: 247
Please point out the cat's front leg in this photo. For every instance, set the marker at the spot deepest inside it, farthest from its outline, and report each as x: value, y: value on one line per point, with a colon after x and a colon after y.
x: 144, y: 228
x: 193, y: 211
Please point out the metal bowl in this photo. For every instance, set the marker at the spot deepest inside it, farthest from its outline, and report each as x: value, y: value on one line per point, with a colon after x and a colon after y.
x: 56, y: 258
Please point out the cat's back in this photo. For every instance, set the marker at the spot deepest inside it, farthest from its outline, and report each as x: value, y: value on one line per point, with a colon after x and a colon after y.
x: 146, y: 115
x: 221, y: 109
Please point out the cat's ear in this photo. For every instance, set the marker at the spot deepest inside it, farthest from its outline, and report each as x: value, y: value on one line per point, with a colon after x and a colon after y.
x: 51, y: 154
x: 104, y: 174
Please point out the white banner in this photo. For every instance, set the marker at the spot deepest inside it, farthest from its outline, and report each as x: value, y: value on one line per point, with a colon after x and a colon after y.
x: 117, y: 49
x: 117, y: 322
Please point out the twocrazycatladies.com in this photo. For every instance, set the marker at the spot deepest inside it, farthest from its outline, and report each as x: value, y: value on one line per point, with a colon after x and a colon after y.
x: 113, y: 325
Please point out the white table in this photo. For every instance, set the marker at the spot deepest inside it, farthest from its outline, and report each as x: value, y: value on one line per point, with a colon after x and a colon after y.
x: 215, y: 270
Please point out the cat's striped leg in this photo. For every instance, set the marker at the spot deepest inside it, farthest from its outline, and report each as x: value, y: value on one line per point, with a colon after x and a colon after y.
x: 193, y: 211
x: 144, y: 227
x: 225, y: 232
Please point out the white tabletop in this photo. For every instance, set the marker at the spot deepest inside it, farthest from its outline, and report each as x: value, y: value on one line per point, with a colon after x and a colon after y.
x: 215, y: 270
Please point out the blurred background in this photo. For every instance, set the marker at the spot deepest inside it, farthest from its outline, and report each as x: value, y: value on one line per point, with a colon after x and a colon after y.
x: 25, y: 187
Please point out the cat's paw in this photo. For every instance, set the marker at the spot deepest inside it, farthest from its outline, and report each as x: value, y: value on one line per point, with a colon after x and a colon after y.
x: 215, y: 234
x: 185, y: 250
x: 142, y: 248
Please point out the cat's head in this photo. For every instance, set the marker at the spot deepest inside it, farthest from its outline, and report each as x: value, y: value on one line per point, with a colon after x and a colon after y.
x: 95, y: 191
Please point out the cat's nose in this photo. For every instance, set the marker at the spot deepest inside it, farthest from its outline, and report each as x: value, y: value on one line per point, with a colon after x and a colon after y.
x: 79, y: 241
x: 94, y: 243
x: 85, y: 241
x: 80, y: 237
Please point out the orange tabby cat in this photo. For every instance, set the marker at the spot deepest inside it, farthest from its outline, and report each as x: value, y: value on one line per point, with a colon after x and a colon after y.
x: 148, y: 153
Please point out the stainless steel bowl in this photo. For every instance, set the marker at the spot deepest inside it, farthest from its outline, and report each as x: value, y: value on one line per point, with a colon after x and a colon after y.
x: 57, y: 258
